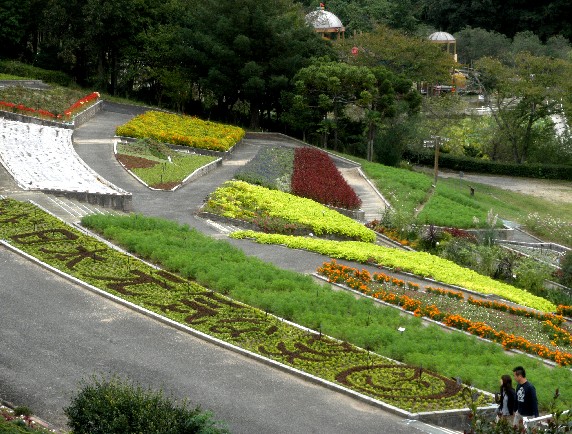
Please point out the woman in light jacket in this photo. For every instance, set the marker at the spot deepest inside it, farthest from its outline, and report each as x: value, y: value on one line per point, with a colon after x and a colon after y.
x: 506, y: 398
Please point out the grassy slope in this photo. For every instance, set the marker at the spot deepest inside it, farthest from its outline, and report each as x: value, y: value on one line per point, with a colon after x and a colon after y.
x: 452, y: 204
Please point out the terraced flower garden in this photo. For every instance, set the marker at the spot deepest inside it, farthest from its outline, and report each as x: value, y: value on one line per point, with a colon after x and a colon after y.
x: 297, y: 298
x: 157, y: 165
x: 419, y: 263
x: 57, y: 103
x: 43, y: 236
x: 182, y: 130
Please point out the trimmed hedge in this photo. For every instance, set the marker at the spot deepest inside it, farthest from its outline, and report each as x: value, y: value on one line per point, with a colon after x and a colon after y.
x: 467, y: 164
x: 34, y: 73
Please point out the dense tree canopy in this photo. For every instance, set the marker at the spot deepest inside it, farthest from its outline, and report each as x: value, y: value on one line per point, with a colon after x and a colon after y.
x: 415, y: 58
x: 521, y: 94
x: 247, y: 51
x: 258, y: 63
x: 507, y: 17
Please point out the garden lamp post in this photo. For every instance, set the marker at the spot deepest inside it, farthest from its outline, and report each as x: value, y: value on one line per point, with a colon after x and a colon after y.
x: 436, y: 164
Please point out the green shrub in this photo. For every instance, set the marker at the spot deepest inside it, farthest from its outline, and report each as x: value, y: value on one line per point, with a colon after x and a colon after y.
x: 467, y: 164
x: 28, y: 71
x: 108, y: 406
x: 566, y: 266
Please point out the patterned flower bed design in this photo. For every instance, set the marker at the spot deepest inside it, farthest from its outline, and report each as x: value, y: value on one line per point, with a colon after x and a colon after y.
x: 92, y: 261
x: 450, y: 308
x: 304, y: 172
x: 182, y: 130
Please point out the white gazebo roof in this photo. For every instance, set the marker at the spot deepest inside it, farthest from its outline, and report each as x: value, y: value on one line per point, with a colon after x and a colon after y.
x: 442, y: 37
x: 324, y: 20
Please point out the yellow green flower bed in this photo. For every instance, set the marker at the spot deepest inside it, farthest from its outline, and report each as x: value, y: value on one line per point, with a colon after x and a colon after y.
x: 182, y: 130
x: 419, y: 263
x: 244, y: 201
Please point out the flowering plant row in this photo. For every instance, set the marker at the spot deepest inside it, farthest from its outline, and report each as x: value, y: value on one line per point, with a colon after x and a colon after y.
x: 241, y: 200
x: 77, y: 106
x: 361, y: 281
x: 419, y: 263
x: 84, y: 257
x: 556, y: 319
x: 81, y: 104
x: 564, y: 310
x: 316, y: 177
x: 446, y: 292
x: 271, y: 167
x: 182, y: 130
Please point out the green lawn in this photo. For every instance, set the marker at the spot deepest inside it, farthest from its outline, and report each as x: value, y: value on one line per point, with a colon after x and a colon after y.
x: 452, y: 205
x: 168, y: 168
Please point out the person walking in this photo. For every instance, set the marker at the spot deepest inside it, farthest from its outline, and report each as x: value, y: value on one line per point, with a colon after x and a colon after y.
x: 526, y: 404
x: 506, y: 398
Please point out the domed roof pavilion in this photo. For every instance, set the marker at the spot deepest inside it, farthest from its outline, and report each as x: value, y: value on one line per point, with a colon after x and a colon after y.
x: 447, y: 40
x: 326, y: 23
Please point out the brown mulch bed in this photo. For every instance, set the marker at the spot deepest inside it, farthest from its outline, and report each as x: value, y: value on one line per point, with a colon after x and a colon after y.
x: 131, y: 162
x: 165, y: 185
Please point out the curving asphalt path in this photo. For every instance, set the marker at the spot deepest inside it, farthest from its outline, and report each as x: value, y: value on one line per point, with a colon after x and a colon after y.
x: 54, y: 333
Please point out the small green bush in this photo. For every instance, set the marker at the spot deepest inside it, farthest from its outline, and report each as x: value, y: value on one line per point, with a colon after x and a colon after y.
x: 566, y: 266
x: 108, y: 406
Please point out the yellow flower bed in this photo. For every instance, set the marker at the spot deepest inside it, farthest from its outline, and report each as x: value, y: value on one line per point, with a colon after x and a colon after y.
x: 241, y: 200
x: 419, y: 263
x: 182, y: 130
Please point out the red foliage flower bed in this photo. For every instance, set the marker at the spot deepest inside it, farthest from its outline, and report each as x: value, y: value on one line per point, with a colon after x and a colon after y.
x: 316, y: 177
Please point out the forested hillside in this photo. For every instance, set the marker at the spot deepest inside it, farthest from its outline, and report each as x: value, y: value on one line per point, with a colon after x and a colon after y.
x: 261, y: 65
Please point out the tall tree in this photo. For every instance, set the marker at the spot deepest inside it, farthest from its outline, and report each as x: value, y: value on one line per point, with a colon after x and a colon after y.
x: 247, y: 51
x: 529, y: 90
x: 419, y: 60
x: 327, y: 88
x: 93, y: 37
x: 19, y: 28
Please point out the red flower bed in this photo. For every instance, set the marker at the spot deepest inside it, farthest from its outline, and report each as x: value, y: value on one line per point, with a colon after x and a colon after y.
x: 77, y: 106
x: 316, y: 177
x: 80, y: 104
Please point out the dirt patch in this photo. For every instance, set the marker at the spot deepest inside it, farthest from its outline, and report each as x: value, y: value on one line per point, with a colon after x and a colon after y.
x: 165, y: 185
x: 131, y: 162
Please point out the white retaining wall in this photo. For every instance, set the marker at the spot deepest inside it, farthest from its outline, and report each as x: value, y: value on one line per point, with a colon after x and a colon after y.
x: 42, y: 158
